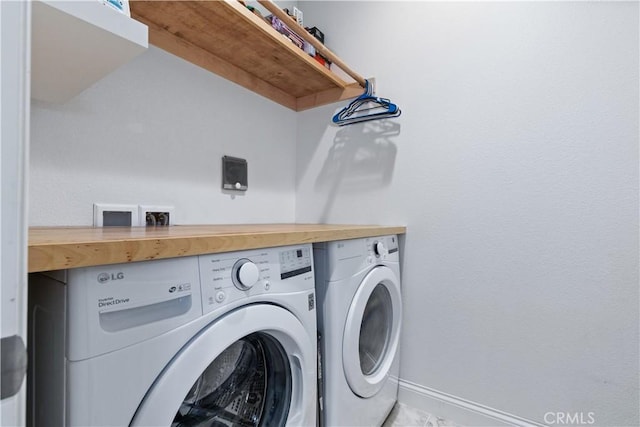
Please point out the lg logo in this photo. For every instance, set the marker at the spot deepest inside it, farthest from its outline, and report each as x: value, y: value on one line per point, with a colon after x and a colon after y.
x: 105, y: 277
x: 569, y: 418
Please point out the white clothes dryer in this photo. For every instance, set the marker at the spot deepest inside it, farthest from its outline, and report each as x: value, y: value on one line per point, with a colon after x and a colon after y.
x: 359, y: 319
x: 216, y: 340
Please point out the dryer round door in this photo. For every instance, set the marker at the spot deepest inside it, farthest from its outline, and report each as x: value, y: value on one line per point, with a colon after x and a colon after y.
x: 254, y: 366
x: 372, y: 332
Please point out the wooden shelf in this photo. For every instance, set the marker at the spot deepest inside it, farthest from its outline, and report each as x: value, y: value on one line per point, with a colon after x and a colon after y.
x: 226, y: 38
x: 57, y: 248
x: 76, y: 43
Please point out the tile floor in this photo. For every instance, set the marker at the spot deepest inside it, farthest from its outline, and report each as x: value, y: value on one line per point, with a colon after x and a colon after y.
x: 405, y: 416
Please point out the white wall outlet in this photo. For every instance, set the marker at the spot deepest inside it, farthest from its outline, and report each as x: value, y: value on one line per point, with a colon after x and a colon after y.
x: 114, y: 215
x: 153, y: 215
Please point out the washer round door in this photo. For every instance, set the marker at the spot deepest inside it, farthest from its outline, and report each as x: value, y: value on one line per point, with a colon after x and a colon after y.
x: 248, y: 368
x: 372, y: 332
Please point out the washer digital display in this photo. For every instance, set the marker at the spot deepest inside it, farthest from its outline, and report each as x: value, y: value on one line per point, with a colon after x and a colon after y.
x: 294, y: 262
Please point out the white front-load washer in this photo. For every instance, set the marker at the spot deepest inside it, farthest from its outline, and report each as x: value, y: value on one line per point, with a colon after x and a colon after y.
x: 215, y: 340
x: 359, y: 319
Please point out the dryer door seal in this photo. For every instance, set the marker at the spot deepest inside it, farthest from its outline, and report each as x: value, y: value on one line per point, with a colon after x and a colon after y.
x: 220, y: 374
x: 372, y: 332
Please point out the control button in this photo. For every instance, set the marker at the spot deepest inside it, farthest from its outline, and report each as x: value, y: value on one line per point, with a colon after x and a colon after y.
x: 245, y: 274
x: 380, y: 249
x: 238, y: 186
x: 267, y: 286
x: 220, y: 296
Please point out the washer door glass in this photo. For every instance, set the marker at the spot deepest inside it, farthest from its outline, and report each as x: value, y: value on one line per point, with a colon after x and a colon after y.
x: 253, y: 366
x: 248, y: 384
x: 375, y: 329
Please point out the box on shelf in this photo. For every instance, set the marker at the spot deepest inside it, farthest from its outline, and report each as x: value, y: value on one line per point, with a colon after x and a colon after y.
x: 315, y: 32
x: 308, y: 47
x: 322, y: 60
x: 282, y: 28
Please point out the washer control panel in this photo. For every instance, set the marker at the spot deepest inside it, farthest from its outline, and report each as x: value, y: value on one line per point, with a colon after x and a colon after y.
x: 294, y: 262
x: 228, y: 277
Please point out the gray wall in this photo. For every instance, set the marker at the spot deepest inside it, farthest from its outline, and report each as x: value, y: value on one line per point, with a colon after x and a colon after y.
x: 515, y: 167
x: 153, y: 132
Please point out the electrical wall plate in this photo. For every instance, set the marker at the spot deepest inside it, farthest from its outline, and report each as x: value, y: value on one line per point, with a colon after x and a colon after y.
x: 114, y: 215
x: 154, y: 215
x: 374, y: 85
x: 234, y: 173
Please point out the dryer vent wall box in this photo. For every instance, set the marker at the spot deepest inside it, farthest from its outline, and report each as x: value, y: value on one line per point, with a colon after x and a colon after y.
x: 234, y: 173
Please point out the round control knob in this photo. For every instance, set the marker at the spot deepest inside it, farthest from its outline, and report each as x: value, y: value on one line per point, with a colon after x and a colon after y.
x: 245, y: 274
x: 380, y: 249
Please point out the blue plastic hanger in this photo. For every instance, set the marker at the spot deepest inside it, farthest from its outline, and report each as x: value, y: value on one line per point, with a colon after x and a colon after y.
x: 375, y: 109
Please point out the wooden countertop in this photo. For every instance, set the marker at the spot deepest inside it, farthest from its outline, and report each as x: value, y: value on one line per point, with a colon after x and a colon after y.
x: 57, y: 248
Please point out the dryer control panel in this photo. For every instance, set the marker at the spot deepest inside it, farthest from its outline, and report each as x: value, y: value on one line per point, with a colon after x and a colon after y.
x: 343, y: 257
x: 232, y: 276
x: 382, y: 247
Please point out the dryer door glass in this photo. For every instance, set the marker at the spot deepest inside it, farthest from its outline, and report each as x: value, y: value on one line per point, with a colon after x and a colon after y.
x: 375, y: 329
x: 248, y: 384
x: 372, y: 332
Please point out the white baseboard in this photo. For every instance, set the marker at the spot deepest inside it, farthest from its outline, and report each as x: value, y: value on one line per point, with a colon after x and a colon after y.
x: 455, y: 409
